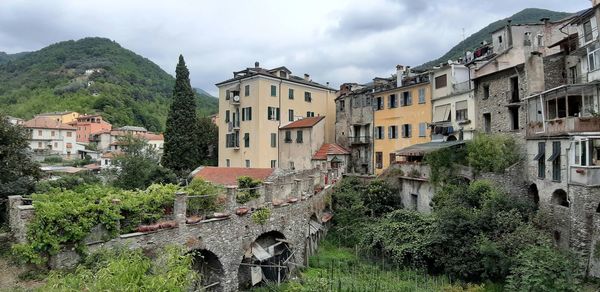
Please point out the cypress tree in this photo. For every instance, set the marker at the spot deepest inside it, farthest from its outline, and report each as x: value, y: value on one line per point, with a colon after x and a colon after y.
x: 181, y: 151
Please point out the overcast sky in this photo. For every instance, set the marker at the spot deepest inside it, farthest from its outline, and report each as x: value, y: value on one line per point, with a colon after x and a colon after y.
x: 336, y: 41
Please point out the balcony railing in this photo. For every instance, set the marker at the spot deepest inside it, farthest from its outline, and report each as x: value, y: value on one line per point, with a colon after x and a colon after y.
x: 356, y: 140
x: 585, y: 175
x: 562, y: 126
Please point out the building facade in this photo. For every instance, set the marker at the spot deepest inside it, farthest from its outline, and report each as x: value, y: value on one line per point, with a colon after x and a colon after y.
x: 65, y: 117
x: 50, y: 137
x: 354, y: 125
x: 256, y: 102
x: 299, y: 141
x: 402, y: 115
x: 88, y: 125
x: 453, y: 103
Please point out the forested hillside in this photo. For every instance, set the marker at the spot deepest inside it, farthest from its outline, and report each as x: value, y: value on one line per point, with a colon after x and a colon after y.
x: 90, y: 75
x: 529, y: 15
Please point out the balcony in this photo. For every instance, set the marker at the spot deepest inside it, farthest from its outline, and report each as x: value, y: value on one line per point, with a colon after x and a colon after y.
x: 585, y: 175
x: 563, y: 126
x: 359, y: 140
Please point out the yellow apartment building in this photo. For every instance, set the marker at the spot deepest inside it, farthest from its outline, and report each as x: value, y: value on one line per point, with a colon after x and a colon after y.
x: 256, y: 102
x: 61, y: 117
x: 402, y: 116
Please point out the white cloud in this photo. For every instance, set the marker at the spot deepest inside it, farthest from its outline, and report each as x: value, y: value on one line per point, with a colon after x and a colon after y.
x: 336, y: 41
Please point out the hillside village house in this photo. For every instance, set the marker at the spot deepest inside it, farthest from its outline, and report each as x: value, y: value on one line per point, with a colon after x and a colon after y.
x: 452, y: 102
x: 51, y: 137
x: 64, y: 117
x: 88, y: 125
x: 402, y: 115
x: 299, y: 141
x: 354, y: 125
x: 256, y: 102
x: 15, y: 121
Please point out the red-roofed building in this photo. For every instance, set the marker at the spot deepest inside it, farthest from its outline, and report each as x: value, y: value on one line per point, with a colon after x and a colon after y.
x: 50, y: 136
x: 227, y: 176
x: 332, y: 157
x: 89, y: 125
x: 298, y: 141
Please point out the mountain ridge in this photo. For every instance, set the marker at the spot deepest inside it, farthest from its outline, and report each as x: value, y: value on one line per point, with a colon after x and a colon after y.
x: 90, y: 75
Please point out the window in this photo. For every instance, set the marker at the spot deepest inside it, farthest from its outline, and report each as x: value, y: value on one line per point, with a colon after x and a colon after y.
x: 69, y: 134
x: 514, y: 117
x: 247, y: 90
x: 227, y: 95
x: 273, y: 140
x: 273, y: 163
x: 392, y: 158
x: 310, y: 114
x: 39, y: 144
x: 307, y: 96
x: 368, y: 101
x: 273, y: 90
x: 593, y: 52
x: 421, y: 95
x: 247, y: 163
x: 379, y: 132
x: 587, y: 31
x: 379, y: 105
x: 514, y: 89
x: 288, y: 137
x: 273, y: 113
x: 462, y: 111
x: 392, y: 132
x: 247, y: 114
x: 231, y: 140
x: 422, y: 129
x: 291, y: 115
x: 227, y: 113
x: 406, y: 98
x: 39, y: 132
x: 342, y: 105
x: 227, y: 162
x: 52, y: 133
x: 406, y: 131
x: 541, y: 159
x: 55, y: 145
x: 247, y: 140
x: 392, y: 101
x: 500, y: 39
x: 290, y: 93
x: 379, y: 160
x: 414, y: 201
x: 555, y: 158
x: 299, y: 136
x: 486, y: 91
x: 292, y: 165
x: 487, y: 122
x: 441, y: 81
x: 282, y: 74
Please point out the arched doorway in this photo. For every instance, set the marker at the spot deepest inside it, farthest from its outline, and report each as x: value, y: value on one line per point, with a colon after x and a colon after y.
x: 534, y: 195
x: 267, y: 260
x: 207, y: 264
x: 559, y: 197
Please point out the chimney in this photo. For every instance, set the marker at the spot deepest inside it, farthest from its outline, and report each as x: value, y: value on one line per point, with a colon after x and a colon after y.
x: 256, y: 64
x: 306, y: 77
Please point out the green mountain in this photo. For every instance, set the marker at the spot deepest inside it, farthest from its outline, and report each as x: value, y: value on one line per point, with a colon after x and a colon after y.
x: 529, y: 15
x: 90, y: 75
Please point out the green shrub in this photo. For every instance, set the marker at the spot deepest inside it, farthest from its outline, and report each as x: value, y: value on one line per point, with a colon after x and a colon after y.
x: 247, y: 189
x: 492, y: 153
x: 126, y: 270
x: 199, y: 187
x: 66, y: 182
x: 53, y: 159
x: 543, y: 268
x: 261, y: 216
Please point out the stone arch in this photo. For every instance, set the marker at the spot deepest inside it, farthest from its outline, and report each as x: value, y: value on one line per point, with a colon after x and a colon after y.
x: 559, y: 197
x: 265, y: 260
x: 210, y: 268
x: 534, y: 195
x: 315, y: 231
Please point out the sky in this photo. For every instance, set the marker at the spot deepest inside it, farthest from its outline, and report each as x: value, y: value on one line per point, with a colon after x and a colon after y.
x: 334, y: 41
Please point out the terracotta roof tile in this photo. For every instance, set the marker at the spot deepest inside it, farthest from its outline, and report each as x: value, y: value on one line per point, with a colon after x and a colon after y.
x: 330, y: 149
x: 227, y: 176
x: 47, y: 123
x: 303, y: 123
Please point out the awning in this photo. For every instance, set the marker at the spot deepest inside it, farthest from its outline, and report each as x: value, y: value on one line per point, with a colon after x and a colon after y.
x: 554, y: 156
x: 538, y: 156
x: 461, y: 105
x: 440, y: 113
x: 424, y: 148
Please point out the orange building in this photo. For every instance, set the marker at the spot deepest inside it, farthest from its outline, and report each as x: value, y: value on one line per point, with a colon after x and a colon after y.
x: 88, y: 125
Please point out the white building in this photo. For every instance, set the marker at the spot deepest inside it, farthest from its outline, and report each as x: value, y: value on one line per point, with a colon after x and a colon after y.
x: 50, y: 137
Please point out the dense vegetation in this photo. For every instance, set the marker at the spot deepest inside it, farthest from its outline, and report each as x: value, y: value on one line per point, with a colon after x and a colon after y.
x: 65, y: 217
x: 127, y: 88
x: 476, y: 233
x: 529, y: 15
x: 126, y: 270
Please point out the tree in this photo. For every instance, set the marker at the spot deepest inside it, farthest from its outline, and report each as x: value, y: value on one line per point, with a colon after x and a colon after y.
x: 138, y: 165
x: 182, y: 152
x: 208, y: 139
x: 18, y: 172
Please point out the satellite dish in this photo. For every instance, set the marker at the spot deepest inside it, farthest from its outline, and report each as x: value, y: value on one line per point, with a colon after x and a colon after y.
x: 236, y: 98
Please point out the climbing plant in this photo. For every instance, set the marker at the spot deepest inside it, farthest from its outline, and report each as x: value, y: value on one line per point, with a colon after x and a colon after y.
x: 261, y: 216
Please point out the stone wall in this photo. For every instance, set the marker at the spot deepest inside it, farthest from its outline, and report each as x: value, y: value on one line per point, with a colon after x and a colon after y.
x: 555, y: 73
